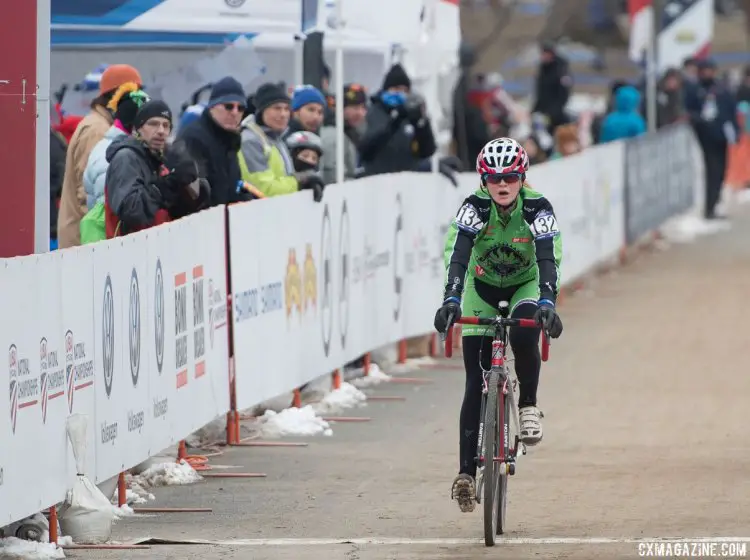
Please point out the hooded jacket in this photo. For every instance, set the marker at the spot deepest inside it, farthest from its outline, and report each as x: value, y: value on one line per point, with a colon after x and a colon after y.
x: 132, y: 200
x: 625, y: 121
x: 96, y: 168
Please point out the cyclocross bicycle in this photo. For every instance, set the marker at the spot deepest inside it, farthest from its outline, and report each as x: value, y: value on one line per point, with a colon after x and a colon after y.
x: 498, y: 439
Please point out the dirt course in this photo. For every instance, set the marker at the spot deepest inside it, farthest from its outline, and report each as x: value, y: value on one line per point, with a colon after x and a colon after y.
x: 646, y: 410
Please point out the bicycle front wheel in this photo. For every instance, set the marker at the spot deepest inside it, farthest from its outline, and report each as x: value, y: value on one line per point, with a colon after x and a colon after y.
x: 491, y: 490
x: 504, y: 447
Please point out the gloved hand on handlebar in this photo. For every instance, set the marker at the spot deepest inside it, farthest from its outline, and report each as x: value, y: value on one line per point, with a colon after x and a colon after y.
x: 548, y: 318
x: 449, y: 313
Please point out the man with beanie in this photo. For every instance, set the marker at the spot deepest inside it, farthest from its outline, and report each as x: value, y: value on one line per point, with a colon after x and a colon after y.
x: 309, y: 106
x: 124, y: 104
x: 213, y: 140
x: 145, y: 184
x: 399, y: 135
x: 90, y: 130
x: 264, y: 159
x: 355, y: 112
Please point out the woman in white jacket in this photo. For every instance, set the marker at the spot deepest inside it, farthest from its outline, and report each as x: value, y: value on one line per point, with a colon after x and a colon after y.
x: 124, y: 105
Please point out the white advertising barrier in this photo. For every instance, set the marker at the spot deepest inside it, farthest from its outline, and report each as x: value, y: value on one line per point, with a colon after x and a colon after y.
x: 587, y: 193
x: 131, y: 333
x: 330, y: 281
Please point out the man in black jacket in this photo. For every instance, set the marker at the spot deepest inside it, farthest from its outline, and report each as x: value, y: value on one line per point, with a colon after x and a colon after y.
x: 146, y: 185
x: 553, y: 85
x: 214, y: 140
x: 398, y: 135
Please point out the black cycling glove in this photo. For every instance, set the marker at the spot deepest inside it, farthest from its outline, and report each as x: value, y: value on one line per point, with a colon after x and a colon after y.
x: 548, y: 318
x: 449, y: 313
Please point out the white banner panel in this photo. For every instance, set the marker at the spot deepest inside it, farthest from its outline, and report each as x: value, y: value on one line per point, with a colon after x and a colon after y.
x: 360, y: 269
x: 77, y: 349
x: 33, y: 471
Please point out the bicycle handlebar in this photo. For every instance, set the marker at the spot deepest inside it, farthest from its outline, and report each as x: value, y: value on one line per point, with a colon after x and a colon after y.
x: 497, y: 321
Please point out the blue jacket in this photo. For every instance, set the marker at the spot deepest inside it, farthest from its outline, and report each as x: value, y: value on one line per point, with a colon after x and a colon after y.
x: 96, y: 167
x: 625, y: 121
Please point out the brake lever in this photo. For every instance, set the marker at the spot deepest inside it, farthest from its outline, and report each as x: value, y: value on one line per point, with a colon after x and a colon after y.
x: 444, y: 335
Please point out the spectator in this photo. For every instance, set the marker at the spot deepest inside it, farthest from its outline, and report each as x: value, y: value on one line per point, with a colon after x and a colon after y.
x: 308, y: 104
x: 57, y: 150
x: 553, y: 85
x: 566, y: 141
x: 690, y: 71
x: 470, y: 131
x: 144, y: 187
x: 596, y: 125
x: 91, y: 129
x: 214, y: 141
x: 355, y: 112
x: 625, y: 121
x: 534, y: 151
x: 743, y: 91
x: 124, y: 104
x: 191, y: 114
x: 669, y: 105
x: 712, y: 112
x: 399, y: 134
x: 306, y: 150
x: 265, y: 161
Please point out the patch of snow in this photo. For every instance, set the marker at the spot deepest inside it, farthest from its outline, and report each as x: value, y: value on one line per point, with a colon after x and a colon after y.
x: 346, y: 396
x: 12, y: 548
x: 64, y: 540
x: 411, y: 364
x: 293, y: 422
x: 317, y: 388
x: 688, y: 228
x: 166, y: 474
x: 214, y: 431
x: 375, y: 376
x: 123, y: 511
x: 136, y: 493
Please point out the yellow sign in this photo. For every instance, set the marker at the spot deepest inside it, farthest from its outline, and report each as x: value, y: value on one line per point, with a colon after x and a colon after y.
x: 301, y: 285
x: 293, y: 285
x: 310, y: 295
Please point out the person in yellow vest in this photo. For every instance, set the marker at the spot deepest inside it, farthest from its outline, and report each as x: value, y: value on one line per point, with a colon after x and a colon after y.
x: 265, y: 162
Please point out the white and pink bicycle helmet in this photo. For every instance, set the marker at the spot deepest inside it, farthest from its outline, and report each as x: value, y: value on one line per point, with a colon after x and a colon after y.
x: 501, y: 156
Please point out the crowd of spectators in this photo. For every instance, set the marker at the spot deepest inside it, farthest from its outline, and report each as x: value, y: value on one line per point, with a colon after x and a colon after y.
x: 693, y: 94
x: 129, y: 164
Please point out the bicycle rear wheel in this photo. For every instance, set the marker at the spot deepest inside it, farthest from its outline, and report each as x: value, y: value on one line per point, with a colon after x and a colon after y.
x: 491, y: 490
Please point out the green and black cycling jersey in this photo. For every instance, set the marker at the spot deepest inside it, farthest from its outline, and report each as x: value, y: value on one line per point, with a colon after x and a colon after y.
x: 504, y: 250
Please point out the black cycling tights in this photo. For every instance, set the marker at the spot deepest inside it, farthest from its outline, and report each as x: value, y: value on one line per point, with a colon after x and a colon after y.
x: 525, y: 345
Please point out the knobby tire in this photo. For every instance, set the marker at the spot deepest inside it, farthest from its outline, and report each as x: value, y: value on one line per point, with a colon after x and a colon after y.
x: 491, y: 468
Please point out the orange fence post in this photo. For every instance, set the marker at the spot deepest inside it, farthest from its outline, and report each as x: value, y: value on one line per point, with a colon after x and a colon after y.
x: 402, y: 351
x: 336, y: 379
x: 53, y: 524
x: 297, y: 399
x: 367, y: 363
x: 122, y: 490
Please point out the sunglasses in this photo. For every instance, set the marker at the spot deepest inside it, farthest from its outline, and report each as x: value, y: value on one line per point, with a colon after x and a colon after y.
x: 234, y: 107
x: 496, y: 179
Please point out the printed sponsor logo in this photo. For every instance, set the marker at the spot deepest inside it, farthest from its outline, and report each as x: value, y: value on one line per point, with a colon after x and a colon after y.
x: 479, y: 270
x: 345, y: 274
x: 217, y: 308
x: 24, y: 388
x: 181, y: 329
x: 108, y: 335
x: 521, y: 239
x: 397, y: 278
x: 134, y: 328
x: 159, y: 327
x: 199, y: 321
x: 326, y: 259
x: 235, y: 3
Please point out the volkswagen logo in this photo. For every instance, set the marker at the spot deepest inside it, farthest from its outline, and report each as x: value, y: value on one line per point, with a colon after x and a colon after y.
x: 344, y: 273
x: 326, y: 260
x: 159, y: 315
x: 397, y: 279
x: 234, y: 3
x: 108, y: 335
x: 134, y: 328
